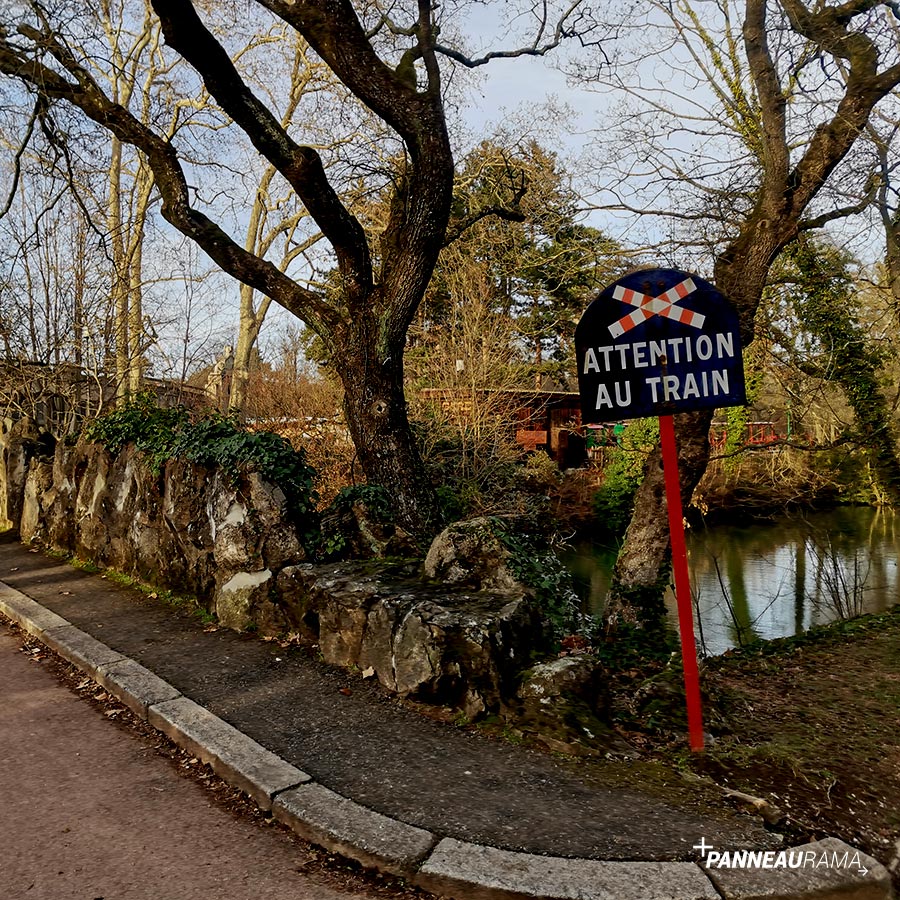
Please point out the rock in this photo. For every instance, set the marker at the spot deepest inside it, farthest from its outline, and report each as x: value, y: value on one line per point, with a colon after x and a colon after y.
x: 469, y: 553
x: 39, y: 479
x: 246, y: 600
x: 18, y: 444
x: 562, y: 704
x: 442, y: 645
x: 354, y: 530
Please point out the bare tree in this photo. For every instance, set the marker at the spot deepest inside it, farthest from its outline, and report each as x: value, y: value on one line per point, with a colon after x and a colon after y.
x: 363, y: 314
x: 780, y: 91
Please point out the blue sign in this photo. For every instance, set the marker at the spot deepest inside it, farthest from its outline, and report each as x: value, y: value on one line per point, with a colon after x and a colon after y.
x: 657, y: 342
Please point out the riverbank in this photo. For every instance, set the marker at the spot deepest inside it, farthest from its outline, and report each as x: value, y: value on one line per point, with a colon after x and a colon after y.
x: 810, y: 724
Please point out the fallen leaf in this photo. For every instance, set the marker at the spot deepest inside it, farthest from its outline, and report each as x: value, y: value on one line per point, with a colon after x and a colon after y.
x: 368, y: 673
x: 65, y: 592
x: 346, y: 692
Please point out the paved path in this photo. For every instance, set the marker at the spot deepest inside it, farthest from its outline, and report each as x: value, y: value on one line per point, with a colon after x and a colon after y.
x: 353, y: 737
x: 90, y: 811
x: 356, y: 771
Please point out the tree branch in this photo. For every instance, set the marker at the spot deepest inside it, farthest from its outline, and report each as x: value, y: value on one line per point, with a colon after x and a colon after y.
x: 301, y: 166
x: 163, y: 160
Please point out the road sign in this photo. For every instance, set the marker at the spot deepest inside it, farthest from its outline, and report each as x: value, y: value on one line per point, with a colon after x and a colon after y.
x: 656, y: 342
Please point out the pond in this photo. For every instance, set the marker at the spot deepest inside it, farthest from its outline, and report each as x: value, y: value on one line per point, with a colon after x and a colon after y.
x: 773, y: 579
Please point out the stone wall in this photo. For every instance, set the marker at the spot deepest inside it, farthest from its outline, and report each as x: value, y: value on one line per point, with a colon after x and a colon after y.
x: 235, y: 547
x: 188, y: 528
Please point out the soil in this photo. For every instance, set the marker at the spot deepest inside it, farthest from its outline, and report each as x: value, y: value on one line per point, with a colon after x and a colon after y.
x: 810, y: 724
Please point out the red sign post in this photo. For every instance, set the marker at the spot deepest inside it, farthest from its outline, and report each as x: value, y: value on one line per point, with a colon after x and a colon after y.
x: 656, y: 342
x: 682, y: 582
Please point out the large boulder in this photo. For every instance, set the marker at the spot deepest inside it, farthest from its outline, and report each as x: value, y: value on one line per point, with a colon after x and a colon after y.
x: 452, y: 646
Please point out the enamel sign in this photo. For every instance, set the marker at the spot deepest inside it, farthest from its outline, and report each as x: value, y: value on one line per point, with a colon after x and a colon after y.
x: 657, y: 342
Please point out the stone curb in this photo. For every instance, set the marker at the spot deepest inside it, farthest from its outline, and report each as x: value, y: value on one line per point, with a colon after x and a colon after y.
x: 343, y: 826
x: 138, y: 688
x: 231, y: 754
x: 457, y: 868
x: 28, y: 613
x: 445, y: 866
x: 80, y: 649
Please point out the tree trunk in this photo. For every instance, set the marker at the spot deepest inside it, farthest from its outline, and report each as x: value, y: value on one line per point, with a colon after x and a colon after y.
x: 375, y: 410
x: 642, y: 569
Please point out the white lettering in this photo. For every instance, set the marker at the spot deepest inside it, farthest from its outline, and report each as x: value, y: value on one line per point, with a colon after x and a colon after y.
x: 675, y: 344
x: 725, y: 344
x: 590, y: 362
x: 603, y: 398
x: 657, y: 351
x: 769, y: 859
x: 670, y: 387
x: 720, y: 380
x: 839, y: 863
x: 622, y: 351
x: 690, y: 387
x: 704, y: 346
x: 795, y: 860
x: 626, y: 399
x: 654, y: 384
x: 640, y: 360
x: 605, y: 351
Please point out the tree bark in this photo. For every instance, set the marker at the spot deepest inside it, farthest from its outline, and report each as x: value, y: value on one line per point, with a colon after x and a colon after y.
x: 783, y: 195
x: 375, y: 411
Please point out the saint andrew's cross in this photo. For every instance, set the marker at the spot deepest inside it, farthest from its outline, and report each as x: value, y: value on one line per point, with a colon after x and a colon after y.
x: 663, y: 305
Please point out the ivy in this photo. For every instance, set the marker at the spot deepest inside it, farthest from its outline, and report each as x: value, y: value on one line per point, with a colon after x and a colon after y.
x: 623, y: 474
x: 534, y: 563
x: 214, y: 441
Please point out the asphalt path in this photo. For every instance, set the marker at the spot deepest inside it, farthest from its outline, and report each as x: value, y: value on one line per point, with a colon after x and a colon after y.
x: 90, y: 811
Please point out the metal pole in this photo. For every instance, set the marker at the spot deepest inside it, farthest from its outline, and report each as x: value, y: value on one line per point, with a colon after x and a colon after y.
x: 682, y: 582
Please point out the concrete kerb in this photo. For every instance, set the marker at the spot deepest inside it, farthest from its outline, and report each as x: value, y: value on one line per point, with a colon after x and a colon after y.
x: 442, y: 865
x: 457, y: 868
x: 27, y: 613
x: 233, y: 755
x: 343, y: 826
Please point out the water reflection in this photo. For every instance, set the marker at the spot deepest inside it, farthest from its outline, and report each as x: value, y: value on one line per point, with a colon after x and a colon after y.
x: 775, y: 579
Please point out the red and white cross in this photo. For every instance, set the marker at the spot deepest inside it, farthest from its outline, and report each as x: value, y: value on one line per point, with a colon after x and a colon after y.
x: 663, y: 305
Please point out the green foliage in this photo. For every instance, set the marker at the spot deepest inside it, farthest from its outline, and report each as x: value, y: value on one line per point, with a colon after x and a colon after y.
x: 614, y: 501
x: 738, y: 417
x: 824, y: 299
x: 377, y: 502
x: 142, y: 422
x: 214, y: 441
x: 534, y: 563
